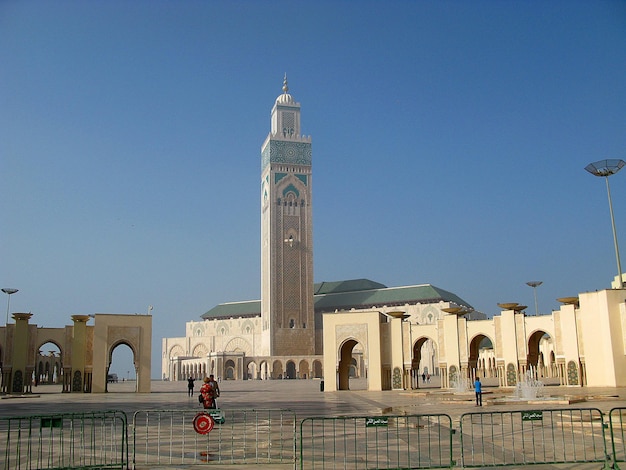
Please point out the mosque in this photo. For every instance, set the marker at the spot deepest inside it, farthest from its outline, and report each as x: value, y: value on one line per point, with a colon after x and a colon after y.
x: 360, y: 328
x: 385, y: 337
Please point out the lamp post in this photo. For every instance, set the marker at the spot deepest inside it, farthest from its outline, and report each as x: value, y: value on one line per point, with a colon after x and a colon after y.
x: 607, y: 168
x: 534, y: 285
x: 8, y: 291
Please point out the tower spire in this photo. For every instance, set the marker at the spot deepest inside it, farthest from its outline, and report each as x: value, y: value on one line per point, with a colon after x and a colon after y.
x: 285, y: 85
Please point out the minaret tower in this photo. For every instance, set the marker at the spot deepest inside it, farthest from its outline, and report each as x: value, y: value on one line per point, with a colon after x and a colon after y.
x: 287, y: 312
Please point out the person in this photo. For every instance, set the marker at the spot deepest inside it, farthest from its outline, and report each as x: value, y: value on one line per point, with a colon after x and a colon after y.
x: 190, y: 382
x: 216, y: 389
x: 207, y: 394
x: 478, y: 388
x: 423, y: 377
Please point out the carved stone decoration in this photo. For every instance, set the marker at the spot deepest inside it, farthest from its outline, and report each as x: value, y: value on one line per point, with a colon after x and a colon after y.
x: 18, y: 382
x: 77, y: 382
x: 572, y: 373
x: 397, y: 378
x: 511, y: 375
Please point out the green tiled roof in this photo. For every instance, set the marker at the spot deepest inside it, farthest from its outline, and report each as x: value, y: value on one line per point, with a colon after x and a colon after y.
x: 234, y: 309
x: 346, y: 286
x: 345, y: 295
x: 424, y: 293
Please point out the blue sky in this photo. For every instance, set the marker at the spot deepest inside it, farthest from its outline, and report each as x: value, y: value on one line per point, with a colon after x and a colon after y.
x: 449, y: 146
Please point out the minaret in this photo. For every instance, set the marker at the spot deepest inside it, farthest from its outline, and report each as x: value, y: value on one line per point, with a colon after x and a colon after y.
x: 288, y: 326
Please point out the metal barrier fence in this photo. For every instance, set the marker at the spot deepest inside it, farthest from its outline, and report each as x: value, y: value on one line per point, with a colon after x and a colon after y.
x: 410, y: 441
x: 168, y: 437
x: 72, y: 440
x: 618, y: 435
x: 532, y: 437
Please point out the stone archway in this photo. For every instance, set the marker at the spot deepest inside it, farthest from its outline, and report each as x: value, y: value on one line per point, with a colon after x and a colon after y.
x: 479, y: 361
x: 135, y: 331
x: 345, y: 363
x: 277, y: 370
x: 230, y: 370
x: 119, y: 344
x: 303, y: 370
x: 428, y: 365
x: 252, y: 372
x: 84, y: 352
x: 540, y: 359
x: 49, y: 364
x: 264, y: 370
x: 317, y: 369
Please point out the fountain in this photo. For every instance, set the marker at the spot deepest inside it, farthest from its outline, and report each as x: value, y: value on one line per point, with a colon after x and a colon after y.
x: 529, y: 388
x: 459, y: 384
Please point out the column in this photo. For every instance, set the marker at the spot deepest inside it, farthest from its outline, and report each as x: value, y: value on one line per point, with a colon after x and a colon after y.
x: 20, y: 381
x: 79, y: 341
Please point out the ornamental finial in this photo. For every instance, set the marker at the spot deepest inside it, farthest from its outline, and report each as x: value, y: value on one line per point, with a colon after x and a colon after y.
x: 285, y: 86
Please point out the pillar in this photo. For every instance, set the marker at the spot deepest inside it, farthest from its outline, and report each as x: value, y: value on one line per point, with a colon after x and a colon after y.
x: 20, y: 381
x: 397, y: 348
x: 79, y: 342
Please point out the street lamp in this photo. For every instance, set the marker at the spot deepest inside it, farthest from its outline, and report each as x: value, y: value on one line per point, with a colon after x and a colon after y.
x: 534, y: 285
x: 607, y: 168
x: 8, y: 291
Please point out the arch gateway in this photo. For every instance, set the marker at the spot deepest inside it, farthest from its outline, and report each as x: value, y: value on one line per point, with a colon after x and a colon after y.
x: 582, y: 343
x: 84, y: 356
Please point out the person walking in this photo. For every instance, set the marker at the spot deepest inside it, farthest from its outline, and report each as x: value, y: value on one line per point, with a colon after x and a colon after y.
x: 206, y: 392
x: 478, y: 388
x: 216, y: 389
x: 190, y: 382
x: 209, y: 391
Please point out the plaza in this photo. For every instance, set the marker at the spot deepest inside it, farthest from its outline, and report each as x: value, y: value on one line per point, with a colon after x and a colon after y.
x: 304, y: 399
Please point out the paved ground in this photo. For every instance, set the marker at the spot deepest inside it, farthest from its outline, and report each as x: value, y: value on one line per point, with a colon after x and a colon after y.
x: 305, y: 399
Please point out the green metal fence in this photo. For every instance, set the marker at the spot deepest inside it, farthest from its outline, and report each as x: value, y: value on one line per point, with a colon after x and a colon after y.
x: 408, y: 441
x: 70, y: 440
x: 246, y: 436
x: 167, y: 438
x: 530, y: 437
x: 618, y: 435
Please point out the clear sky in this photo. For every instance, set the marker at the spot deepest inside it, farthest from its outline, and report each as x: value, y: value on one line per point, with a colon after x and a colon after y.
x: 449, y: 146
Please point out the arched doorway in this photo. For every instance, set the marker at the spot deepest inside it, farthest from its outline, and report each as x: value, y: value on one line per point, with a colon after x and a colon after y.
x: 424, y: 363
x: 264, y: 370
x: 49, y: 366
x: 351, y: 364
x: 291, y: 370
x: 303, y: 370
x: 541, y: 359
x: 277, y: 370
x: 121, y: 367
x: 481, y: 361
x: 229, y: 370
x: 111, y: 330
x: 251, y: 371
x: 317, y: 369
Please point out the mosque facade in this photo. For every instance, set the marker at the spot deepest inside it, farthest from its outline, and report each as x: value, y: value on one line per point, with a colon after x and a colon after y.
x: 280, y: 336
x: 360, y: 328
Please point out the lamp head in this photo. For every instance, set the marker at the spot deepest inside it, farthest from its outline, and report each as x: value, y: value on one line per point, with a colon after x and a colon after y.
x: 605, y: 167
x: 9, y: 291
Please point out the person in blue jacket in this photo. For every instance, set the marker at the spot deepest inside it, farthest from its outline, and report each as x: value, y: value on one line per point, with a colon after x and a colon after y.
x: 478, y: 388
